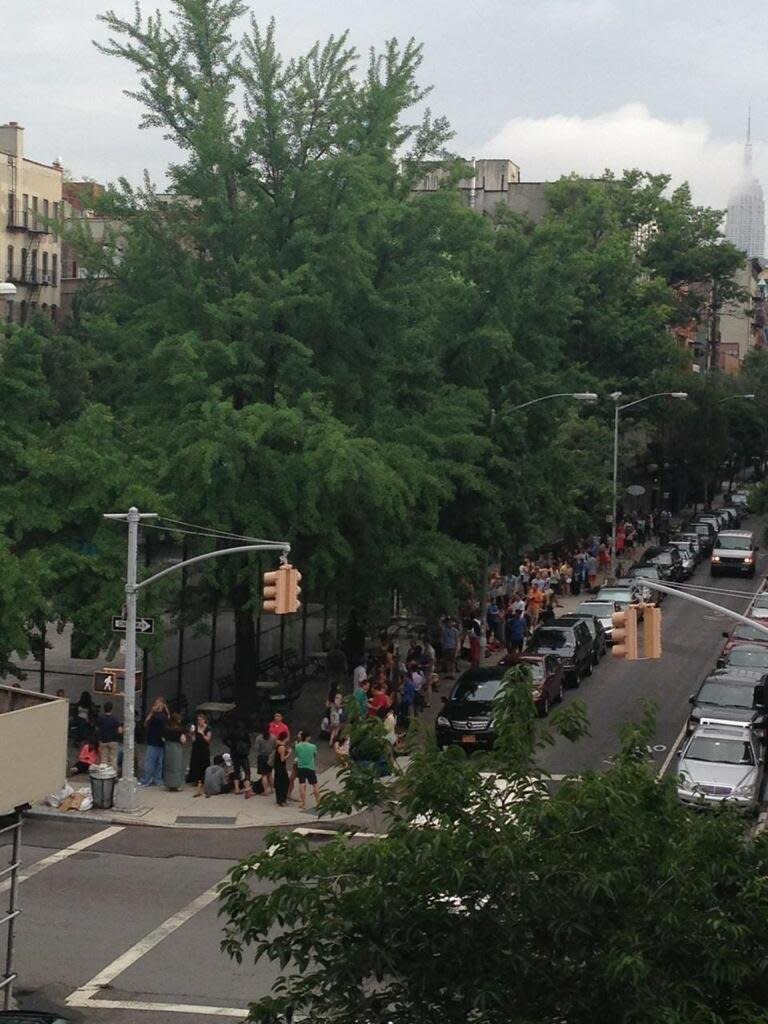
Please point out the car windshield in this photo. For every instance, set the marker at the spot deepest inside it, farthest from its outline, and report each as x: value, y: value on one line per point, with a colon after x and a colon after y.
x: 733, y: 543
x: 648, y: 572
x: 702, y: 528
x: 724, y: 696
x: 748, y: 657
x: 761, y: 601
x: 552, y: 639
x: 749, y: 633
x: 481, y: 690
x: 600, y: 609
x: 621, y: 595
x: 537, y: 670
x: 664, y: 558
x: 719, y: 751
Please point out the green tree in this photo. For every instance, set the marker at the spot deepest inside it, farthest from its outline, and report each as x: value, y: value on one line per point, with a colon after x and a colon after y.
x: 604, y: 901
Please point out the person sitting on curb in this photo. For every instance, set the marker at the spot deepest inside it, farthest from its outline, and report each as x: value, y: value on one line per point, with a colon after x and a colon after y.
x: 89, y: 754
x: 216, y: 779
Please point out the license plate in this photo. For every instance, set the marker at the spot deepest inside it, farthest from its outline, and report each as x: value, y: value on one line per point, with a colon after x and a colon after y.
x: 469, y: 739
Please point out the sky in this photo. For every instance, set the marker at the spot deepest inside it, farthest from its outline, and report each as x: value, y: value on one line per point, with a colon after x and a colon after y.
x: 555, y: 85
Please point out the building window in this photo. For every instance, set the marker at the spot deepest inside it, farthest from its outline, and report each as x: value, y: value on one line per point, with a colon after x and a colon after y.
x: 9, y: 311
x: 45, y: 268
x: 46, y: 215
x: 35, y: 222
x: 54, y: 269
x: 9, y: 275
x: 25, y: 210
x: 13, y: 213
x: 23, y: 317
x: 33, y: 267
x: 74, y: 268
x: 23, y: 275
x: 56, y: 220
x: 55, y: 313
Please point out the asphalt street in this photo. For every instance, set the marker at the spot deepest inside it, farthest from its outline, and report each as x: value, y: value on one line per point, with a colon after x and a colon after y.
x: 691, y: 641
x: 119, y: 924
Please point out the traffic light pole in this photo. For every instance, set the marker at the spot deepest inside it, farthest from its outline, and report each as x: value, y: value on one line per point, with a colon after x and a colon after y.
x: 126, y: 793
x: 710, y: 605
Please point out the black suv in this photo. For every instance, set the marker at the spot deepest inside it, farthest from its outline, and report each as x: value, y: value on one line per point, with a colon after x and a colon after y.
x: 731, y: 695
x: 467, y: 717
x: 596, y: 631
x: 571, y: 644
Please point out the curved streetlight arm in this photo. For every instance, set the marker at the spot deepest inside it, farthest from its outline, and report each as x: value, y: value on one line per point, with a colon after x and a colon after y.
x: 584, y: 397
x: 278, y: 546
x: 647, y: 398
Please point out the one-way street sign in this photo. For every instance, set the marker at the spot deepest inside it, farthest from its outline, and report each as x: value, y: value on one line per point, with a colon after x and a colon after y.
x: 145, y: 626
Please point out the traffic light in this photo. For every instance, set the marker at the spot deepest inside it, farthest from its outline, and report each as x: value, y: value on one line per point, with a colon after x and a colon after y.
x: 625, y: 633
x: 281, y: 590
x: 652, y: 638
x: 292, y: 589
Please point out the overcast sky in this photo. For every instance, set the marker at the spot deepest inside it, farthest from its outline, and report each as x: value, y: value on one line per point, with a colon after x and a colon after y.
x: 555, y: 85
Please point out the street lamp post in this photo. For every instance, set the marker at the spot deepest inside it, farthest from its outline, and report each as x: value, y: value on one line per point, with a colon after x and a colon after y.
x: 615, y: 396
x: 580, y: 396
x: 730, y: 398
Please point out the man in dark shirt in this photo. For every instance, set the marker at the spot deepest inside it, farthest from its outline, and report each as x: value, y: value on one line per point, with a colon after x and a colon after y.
x: 155, y: 724
x: 109, y: 733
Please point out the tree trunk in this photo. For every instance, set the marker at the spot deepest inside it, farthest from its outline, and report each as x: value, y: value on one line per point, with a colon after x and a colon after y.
x: 245, y: 647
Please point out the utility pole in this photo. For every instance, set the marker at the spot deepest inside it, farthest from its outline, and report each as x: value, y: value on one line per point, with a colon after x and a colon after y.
x: 126, y: 789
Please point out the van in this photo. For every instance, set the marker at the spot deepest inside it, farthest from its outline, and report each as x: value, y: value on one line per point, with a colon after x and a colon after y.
x: 734, y: 551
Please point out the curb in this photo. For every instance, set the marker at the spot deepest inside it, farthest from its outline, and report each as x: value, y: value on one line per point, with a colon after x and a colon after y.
x: 42, y: 813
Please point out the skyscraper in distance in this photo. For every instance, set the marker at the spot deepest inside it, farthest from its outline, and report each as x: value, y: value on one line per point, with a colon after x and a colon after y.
x: 745, y: 222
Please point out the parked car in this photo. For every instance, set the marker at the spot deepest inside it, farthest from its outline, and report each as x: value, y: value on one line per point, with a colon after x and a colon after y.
x: 734, y: 551
x: 689, y: 557
x: 548, y: 678
x: 759, y: 608
x: 745, y: 655
x: 741, y: 500
x: 731, y: 694
x: 695, y: 540
x: 736, y: 515
x: 741, y: 634
x: 600, y: 610
x: 571, y: 644
x: 620, y: 595
x: 648, y: 572
x: 707, y: 532
x: 720, y: 763
x: 596, y: 631
x: 668, y: 562
x: 466, y: 719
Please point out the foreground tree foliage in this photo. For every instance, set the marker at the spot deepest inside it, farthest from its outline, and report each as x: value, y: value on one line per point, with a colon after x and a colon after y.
x: 603, y: 902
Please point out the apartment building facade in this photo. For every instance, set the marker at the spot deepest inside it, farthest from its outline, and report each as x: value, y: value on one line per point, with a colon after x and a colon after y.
x: 30, y: 208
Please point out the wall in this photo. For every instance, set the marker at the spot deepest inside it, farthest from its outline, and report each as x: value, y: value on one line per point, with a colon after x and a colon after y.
x: 33, y: 746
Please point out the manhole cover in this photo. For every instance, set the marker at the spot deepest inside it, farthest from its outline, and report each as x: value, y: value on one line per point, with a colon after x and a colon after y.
x: 187, y: 819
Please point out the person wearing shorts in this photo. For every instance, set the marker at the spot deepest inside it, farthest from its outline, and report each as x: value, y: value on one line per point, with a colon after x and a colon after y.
x: 305, y: 754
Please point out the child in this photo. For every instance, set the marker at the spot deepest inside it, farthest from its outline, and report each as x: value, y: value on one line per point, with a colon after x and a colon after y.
x: 89, y: 754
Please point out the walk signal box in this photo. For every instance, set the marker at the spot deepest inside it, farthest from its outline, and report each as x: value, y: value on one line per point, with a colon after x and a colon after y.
x: 111, y: 682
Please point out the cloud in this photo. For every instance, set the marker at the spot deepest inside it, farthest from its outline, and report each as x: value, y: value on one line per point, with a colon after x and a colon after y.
x: 575, y: 12
x: 630, y: 136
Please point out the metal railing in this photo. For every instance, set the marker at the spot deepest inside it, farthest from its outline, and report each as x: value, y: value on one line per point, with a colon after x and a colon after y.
x: 21, y: 219
x: 8, y: 978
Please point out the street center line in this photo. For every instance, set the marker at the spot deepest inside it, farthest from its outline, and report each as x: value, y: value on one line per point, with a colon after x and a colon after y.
x: 82, y: 995
x: 60, y: 855
x: 673, y: 750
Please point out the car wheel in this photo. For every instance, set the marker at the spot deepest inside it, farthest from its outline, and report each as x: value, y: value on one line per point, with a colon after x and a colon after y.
x: 575, y: 679
x: 544, y: 707
x: 560, y: 694
x: 588, y: 668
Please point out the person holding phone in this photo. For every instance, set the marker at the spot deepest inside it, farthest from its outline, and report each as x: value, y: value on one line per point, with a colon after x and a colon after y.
x: 200, y: 759
x: 155, y: 724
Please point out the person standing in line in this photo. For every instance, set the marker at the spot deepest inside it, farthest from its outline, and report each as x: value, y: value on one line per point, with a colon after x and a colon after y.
x: 173, y: 753
x: 535, y: 602
x: 200, y: 758
x: 306, y: 764
x: 360, y: 696
x: 475, y: 648
x: 266, y: 744
x: 109, y: 732
x: 239, y: 742
x: 450, y: 644
x: 279, y: 728
x: 515, y: 633
x: 155, y: 724
x: 282, y: 781
x: 359, y: 673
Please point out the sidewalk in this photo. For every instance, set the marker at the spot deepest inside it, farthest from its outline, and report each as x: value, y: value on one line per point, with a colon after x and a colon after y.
x: 164, y: 809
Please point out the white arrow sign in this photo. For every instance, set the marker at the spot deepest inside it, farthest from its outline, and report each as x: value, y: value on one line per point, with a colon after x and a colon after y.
x: 120, y: 624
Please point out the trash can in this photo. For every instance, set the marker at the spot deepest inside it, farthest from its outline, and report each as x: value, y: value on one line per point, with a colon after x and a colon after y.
x: 102, y: 785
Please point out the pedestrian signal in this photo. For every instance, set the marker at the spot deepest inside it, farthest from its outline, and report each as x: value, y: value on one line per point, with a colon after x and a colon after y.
x: 625, y: 633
